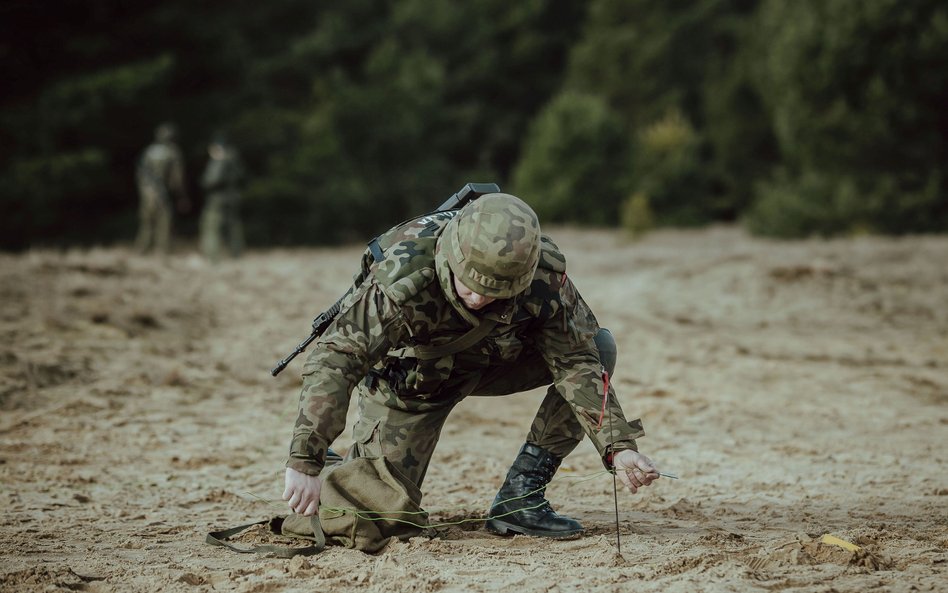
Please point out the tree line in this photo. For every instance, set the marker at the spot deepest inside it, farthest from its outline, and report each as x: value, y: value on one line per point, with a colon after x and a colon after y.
x: 794, y: 118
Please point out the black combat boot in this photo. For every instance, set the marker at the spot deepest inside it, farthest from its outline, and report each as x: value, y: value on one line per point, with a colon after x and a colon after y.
x: 520, y: 506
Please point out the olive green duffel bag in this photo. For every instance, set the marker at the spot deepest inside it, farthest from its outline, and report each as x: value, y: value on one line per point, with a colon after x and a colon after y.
x: 363, y: 504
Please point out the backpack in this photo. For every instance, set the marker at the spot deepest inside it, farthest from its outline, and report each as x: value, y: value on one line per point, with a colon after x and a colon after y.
x: 364, y: 504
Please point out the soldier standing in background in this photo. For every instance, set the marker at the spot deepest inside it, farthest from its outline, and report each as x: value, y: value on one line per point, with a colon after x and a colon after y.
x: 454, y: 304
x: 160, y: 173
x: 220, y: 219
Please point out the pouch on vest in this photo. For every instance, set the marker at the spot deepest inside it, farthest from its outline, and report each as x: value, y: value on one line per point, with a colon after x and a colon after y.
x: 413, y: 377
x: 420, y: 370
x: 363, y: 504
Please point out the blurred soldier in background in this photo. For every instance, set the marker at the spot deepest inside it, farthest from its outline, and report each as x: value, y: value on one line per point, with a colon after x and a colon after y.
x: 220, y: 219
x: 159, y: 174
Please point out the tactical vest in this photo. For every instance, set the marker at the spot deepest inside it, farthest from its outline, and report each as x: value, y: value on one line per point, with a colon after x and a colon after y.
x: 402, y: 261
x: 222, y: 174
x: 405, y: 255
x: 156, y: 164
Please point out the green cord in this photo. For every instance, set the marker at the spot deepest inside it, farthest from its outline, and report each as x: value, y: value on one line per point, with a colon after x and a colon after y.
x: 365, y: 514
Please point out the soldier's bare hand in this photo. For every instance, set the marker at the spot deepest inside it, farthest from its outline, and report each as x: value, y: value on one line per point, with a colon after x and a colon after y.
x: 302, y: 492
x: 634, y: 470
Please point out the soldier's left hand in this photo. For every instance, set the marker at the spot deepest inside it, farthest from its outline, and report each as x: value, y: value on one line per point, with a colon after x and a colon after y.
x: 634, y: 470
x: 302, y: 492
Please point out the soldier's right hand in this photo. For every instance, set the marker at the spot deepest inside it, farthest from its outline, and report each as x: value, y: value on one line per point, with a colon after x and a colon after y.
x: 634, y: 470
x: 302, y: 492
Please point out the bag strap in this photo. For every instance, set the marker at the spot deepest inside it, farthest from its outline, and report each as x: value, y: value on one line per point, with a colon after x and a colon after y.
x: 473, y: 336
x: 219, y: 538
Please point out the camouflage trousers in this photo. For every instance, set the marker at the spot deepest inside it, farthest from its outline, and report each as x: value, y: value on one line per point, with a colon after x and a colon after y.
x: 154, y: 220
x: 221, y: 227
x: 406, y: 431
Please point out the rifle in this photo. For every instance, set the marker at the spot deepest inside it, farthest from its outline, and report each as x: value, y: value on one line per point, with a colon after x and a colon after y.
x: 461, y: 198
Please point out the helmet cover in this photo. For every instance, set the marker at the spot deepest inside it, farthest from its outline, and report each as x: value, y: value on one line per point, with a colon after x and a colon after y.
x: 493, y: 245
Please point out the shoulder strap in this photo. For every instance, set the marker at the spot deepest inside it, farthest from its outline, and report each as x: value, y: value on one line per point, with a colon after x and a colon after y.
x: 219, y: 538
x: 473, y: 336
x: 551, y: 258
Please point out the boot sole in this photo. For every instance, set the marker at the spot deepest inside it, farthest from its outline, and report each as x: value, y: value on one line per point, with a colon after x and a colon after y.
x: 498, y: 527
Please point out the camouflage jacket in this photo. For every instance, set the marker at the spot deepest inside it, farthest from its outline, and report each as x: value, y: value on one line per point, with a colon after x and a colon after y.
x: 223, y: 174
x: 406, y: 301
x: 161, y: 167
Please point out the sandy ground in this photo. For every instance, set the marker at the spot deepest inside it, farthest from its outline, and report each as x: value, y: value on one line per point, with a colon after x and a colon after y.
x: 797, y: 389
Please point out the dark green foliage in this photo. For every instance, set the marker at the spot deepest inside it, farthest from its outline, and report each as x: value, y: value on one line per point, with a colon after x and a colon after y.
x: 801, y: 117
x: 734, y: 125
x: 86, y: 85
x: 575, y: 164
x: 807, y: 205
x: 349, y: 116
x: 669, y: 174
x: 652, y: 59
x: 644, y: 57
x: 416, y: 98
x: 857, y: 92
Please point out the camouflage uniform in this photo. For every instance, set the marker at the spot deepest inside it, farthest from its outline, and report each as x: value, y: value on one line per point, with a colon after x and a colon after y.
x: 160, y: 173
x: 220, y: 219
x: 404, y: 303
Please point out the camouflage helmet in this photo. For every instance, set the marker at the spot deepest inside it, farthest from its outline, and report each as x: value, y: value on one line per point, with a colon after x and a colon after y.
x: 493, y: 245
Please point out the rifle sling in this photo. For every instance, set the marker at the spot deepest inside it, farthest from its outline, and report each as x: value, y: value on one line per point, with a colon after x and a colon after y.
x: 219, y: 538
x: 428, y: 352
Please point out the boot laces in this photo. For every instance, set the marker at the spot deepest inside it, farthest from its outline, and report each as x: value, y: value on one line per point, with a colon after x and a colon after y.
x: 547, y: 469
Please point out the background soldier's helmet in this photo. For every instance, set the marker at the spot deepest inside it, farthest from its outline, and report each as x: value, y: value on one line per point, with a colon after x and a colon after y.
x: 166, y: 132
x: 220, y: 138
x: 493, y: 245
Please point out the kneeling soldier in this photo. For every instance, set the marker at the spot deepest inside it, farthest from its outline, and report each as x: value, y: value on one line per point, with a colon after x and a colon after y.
x: 460, y: 303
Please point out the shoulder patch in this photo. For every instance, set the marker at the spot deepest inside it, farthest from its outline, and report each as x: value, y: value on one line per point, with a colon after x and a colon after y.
x: 551, y: 258
x: 403, y: 288
x: 408, y: 267
x: 423, y: 227
x: 403, y: 256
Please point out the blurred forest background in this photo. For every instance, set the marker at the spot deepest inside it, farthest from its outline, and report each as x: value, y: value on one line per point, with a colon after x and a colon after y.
x: 793, y: 117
